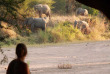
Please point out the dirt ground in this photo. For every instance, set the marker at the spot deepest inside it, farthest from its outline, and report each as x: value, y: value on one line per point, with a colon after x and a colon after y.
x: 85, y: 58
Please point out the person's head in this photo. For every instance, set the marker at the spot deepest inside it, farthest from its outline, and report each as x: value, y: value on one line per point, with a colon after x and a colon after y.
x: 21, y: 50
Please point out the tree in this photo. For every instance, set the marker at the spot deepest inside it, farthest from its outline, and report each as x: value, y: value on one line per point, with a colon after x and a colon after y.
x: 91, y: 11
x: 8, y: 9
x: 70, y: 6
x: 59, y: 6
x: 29, y: 4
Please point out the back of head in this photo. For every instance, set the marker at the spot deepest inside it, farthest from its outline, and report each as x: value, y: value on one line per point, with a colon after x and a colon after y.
x: 21, y: 50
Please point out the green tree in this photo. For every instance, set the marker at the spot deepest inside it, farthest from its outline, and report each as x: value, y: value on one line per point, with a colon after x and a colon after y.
x: 28, y: 4
x: 9, y: 9
x: 59, y: 6
x: 70, y: 6
x: 91, y: 11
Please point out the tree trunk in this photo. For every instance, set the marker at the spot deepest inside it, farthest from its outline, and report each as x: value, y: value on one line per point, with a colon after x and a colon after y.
x: 70, y: 5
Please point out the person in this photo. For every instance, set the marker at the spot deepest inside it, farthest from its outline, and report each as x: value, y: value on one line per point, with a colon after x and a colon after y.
x: 18, y: 66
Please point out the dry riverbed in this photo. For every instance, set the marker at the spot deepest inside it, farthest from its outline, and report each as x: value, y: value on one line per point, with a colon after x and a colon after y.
x: 85, y: 58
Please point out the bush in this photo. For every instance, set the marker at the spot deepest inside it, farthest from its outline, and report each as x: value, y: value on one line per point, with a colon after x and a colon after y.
x: 27, y: 6
x: 65, y: 31
x: 42, y: 37
x: 62, y: 32
x: 30, y: 3
x: 91, y: 11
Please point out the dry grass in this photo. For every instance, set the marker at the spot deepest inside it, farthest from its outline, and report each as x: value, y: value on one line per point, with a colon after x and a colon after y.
x: 96, y: 24
x: 55, y: 19
x: 60, y: 29
x: 7, y: 31
x: 4, y: 25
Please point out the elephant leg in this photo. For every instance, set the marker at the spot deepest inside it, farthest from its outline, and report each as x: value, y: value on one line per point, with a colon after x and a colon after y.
x: 83, y: 31
x: 40, y: 14
x: 44, y: 29
x: 32, y: 27
x: 76, y: 26
x: 88, y: 31
x: 36, y: 12
x: 48, y: 15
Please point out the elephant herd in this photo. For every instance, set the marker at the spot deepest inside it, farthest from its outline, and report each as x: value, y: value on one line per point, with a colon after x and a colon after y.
x: 42, y: 21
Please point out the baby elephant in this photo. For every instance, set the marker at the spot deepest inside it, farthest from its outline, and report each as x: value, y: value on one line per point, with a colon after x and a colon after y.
x: 37, y: 23
x: 83, y: 26
x: 83, y: 12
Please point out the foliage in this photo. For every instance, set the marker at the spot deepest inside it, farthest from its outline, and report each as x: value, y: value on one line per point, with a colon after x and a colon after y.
x: 60, y: 33
x: 31, y: 3
x: 61, y: 30
x: 28, y: 6
x: 59, y: 6
x: 91, y: 11
x: 8, y: 8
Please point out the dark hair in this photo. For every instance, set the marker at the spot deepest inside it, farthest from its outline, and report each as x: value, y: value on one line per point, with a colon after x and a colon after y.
x: 21, y: 50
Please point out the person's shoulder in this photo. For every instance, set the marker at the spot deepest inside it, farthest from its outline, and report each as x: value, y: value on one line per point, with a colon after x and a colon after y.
x: 24, y: 64
x: 13, y: 61
x: 18, y: 62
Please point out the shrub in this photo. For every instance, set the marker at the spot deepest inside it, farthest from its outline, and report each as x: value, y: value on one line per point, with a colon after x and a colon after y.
x: 55, y: 37
x: 42, y: 37
x: 91, y: 11
x: 27, y: 6
x: 65, y: 32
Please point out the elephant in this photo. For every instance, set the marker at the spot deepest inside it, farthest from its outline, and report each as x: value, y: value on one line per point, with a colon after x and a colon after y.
x: 83, y: 26
x: 37, y: 23
x: 102, y: 5
x: 83, y: 12
x: 43, y: 9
